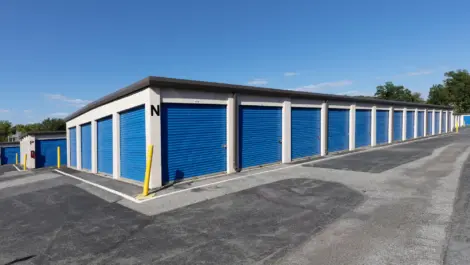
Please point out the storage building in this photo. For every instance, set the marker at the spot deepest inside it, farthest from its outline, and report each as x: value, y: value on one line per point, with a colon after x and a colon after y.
x: 8, y: 152
x: 40, y: 149
x: 203, y: 128
x: 463, y: 120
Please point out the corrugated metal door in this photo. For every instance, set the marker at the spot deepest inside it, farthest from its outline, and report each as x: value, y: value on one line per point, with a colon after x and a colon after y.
x: 436, y: 122
x: 338, y: 130
x: 381, y: 126
x: 306, y: 123
x: 363, y: 123
x: 420, y: 123
x: 9, y: 155
x: 46, y: 152
x: 429, y: 123
x: 133, y: 143
x: 260, y: 134
x: 397, y: 125
x: 466, y: 120
x: 104, y: 141
x: 85, y: 130
x: 410, y: 123
x: 444, y: 122
x: 194, y: 140
x: 73, y: 146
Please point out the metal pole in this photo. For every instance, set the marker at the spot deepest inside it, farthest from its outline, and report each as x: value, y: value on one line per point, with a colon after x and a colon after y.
x: 145, y: 191
x: 58, y: 156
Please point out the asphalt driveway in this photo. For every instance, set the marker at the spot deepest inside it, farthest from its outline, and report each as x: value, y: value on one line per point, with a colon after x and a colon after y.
x: 67, y: 225
x: 6, y: 168
x: 385, y: 206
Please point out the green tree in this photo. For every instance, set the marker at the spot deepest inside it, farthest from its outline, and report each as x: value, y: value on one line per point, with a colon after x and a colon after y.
x: 390, y: 91
x: 53, y: 125
x: 439, y: 95
x: 5, y: 130
x: 457, y: 84
x: 33, y: 127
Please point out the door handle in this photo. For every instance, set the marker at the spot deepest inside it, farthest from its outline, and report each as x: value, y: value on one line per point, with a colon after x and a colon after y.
x: 280, y: 141
x: 224, y: 146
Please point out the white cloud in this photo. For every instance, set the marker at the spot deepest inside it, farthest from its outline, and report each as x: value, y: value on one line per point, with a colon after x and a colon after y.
x: 349, y: 93
x: 4, y: 111
x: 422, y: 72
x: 58, y: 114
x: 324, y: 85
x: 73, y: 101
x: 258, y: 82
x: 291, y: 74
x: 27, y: 111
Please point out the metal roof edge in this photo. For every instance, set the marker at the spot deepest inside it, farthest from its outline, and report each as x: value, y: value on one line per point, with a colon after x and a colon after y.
x: 165, y: 82
x: 9, y: 143
x: 137, y: 86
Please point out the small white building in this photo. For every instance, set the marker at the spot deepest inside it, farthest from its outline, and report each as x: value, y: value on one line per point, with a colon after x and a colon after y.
x: 203, y: 129
x: 40, y: 149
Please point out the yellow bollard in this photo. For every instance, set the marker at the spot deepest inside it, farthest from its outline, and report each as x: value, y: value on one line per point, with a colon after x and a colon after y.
x: 24, y: 164
x: 456, y: 128
x: 145, y: 191
x: 58, y: 156
x: 16, y: 159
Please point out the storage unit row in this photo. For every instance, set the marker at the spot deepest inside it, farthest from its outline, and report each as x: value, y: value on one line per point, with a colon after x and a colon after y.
x: 204, y: 130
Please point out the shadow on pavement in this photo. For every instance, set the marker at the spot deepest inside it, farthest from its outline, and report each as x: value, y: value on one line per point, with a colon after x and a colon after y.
x: 66, y: 225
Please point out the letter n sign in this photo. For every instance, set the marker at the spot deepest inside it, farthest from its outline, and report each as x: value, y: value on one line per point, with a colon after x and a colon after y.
x: 155, y: 110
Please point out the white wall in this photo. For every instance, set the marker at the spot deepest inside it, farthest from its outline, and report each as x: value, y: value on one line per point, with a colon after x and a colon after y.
x: 28, y: 144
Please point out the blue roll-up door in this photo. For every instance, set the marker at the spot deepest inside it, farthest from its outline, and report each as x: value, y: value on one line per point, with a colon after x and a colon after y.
x: 397, y: 125
x: 85, y: 145
x: 466, y: 120
x: 429, y: 123
x: 363, y: 127
x: 46, y: 152
x: 194, y: 139
x: 306, y: 124
x: 260, y: 136
x: 8, y: 155
x: 133, y: 143
x: 338, y: 130
x: 73, y: 146
x: 381, y: 126
x: 420, y: 123
x: 436, y: 122
x: 410, y: 123
x: 104, y: 145
x: 444, y: 122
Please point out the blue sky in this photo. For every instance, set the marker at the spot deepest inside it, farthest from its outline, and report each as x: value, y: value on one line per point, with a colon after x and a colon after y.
x: 55, y: 55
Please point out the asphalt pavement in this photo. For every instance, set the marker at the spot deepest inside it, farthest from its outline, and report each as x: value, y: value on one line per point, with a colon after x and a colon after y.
x: 392, y: 205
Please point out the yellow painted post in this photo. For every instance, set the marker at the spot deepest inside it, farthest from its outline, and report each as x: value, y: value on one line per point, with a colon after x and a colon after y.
x: 24, y: 164
x: 16, y: 159
x: 58, y: 156
x: 145, y: 191
x: 456, y: 127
